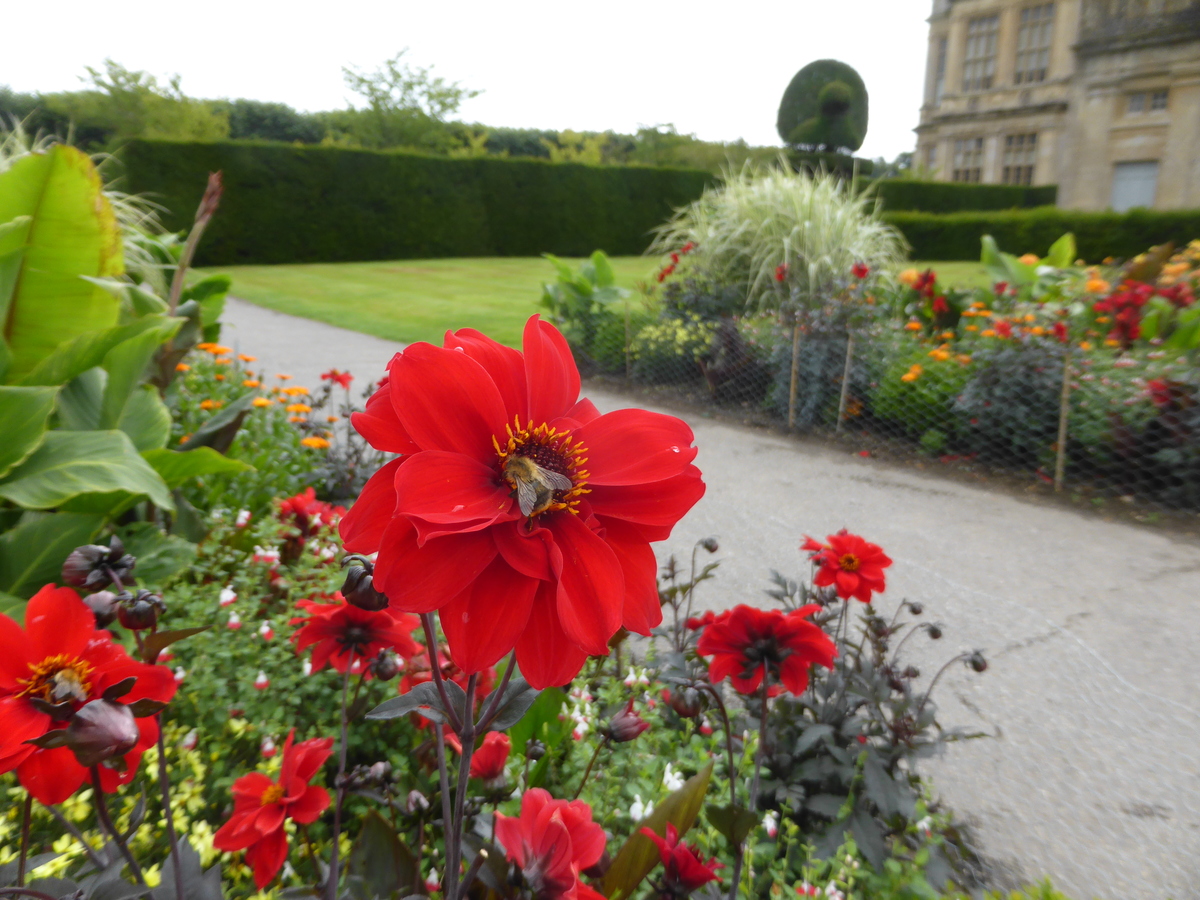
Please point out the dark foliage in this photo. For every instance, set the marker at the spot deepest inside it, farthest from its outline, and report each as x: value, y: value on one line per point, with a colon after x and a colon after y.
x: 902, y: 194
x: 258, y: 120
x: 824, y: 107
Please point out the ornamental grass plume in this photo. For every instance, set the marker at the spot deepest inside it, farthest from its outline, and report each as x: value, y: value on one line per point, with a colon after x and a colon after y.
x: 49, y: 671
x: 516, y: 510
x: 751, y: 646
x: 261, y: 806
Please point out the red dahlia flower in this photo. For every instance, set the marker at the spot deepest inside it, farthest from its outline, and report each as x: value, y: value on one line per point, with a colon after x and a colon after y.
x: 925, y: 283
x: 684, y: 867
x: 338, y: 376
x: 749, y: 645
x: 781, y: 271
x: 345, y: 634
x: 60, y: 657
x: 308, y: 513
x: 260, y: 807
x: 854, y: 566
x: 551, y: 843
x: 860, y: 270
x: 516, y: 510
x: 487, y: 764
x: 1003, y: 328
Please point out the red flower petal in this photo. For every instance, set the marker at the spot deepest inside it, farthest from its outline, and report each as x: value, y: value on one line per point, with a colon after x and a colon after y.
x: 503, y: 364
x: 14, y: 656
x: 51, y: 775
x: 363, y: 526
x: 484, y: 621
x: 267, y: 857
x: 311, y: 804
x: 655, y: 507
x: 447, y: 401
x: 550, y: 372
x: 57, y: 621
x: 19, y: 722
x: 380, y: 424
x: 642, y: 610
x: 591, y: 586
x: 633, y: 446
x: 546, y: 656
x: 529, y: 552
x: 450, y: 489
x: 583, y: 411
x: 421, y: 579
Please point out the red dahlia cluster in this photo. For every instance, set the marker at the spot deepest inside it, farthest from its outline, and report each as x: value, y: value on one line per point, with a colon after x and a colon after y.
x: 1124, y: 307
x: 516, y: 510
x: 750, y: 646
x: 551, y: 843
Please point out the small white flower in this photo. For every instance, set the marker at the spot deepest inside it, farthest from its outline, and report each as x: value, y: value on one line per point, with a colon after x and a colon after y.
x: 227, y: 595
x: 328, y: 552
x: 267, y: 747
x: 235, y: 622
x: 262, y: 682
x: 189, y: 740
x: 672, y: 780
x: 832, y: 892
x: 307, y: 667
x: 180, y: 674
x: 636, y: 676
x: 771, y: 823
x: 640, y: 809
x: 243, y: 518
x: 265, y: 631
x: 925, y: 826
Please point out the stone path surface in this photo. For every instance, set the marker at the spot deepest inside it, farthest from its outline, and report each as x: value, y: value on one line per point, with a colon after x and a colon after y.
x: 1091, y: 629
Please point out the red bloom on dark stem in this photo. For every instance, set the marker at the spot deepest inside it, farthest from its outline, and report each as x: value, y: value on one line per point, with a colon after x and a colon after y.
x: 700, y: 621
x: 551, y: 843
x: 516, y: 510
x: 260, y: 807
x: 684, y: 867
x: 343, y: 634
x: 860, y: 270
x: 338, y: 376
x: 749, y: 645
x: 664, y: 272
x: 1003, y: 328
x: 60, y: 657
x: 925, y: 283
x: 940, y: 306
x: 1060, y: 332
x: 488, y: 761
x: 854, y: 566
x: 999, y: 288
x: 781, y: 272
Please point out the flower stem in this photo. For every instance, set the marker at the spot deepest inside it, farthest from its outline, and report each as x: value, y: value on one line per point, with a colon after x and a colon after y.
x: 444, y: 780
x: 758, y: 753
x: 932, y: 684
x: 454, y: 847
x: 588, y: 771
x: 497, y: 695
x: 92, y: 855
x: 331, y: 885
x: 436, y: 671
x: 312, y: 856
x: 164, y: 784
x: 739, y: 852
x: 26, y: 815
x: 106, y: 824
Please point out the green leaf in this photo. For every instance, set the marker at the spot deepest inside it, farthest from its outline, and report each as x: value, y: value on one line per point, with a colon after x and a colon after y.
x: 564, y: 270
x: 517, y: 698
x: 605, y: 277
x: 126, y: 364
x: 24, y: 412
x: 423, y: 699
x: 541, y: 722
x: 386, y: 866
x: 1062, y: 252
x: 160, y: 556
x: 733, y: 822
x: 13, y: 607
x: 146, y: 419
x: 85, y: 351
x: 220, y: 430
x: 69, y: 464
x: 32, y: 553
x: 177, y: 468
x: 79, y: 401
x: 638, y: 855
x: 161, y: 640
x: 72, y: 232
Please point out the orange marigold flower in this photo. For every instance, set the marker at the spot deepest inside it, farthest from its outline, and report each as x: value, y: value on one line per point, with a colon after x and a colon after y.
x: 261, y: 402
x: 912, y: 374
x: 296, y: 419
x: 1103, y: 320
x: 947, y: 335
x: 182, y: 367
x: 908, y: 277
x: 986, y: 313
x: 1030, y: 318
x: 1112, y: 342
x: 251, y: 383
x: 317, y: 443
x: 219, y: 377
x: 963, y: 359
x: 988, y: 332
x: 244, y: 358
x: 913, y: 326
x: 222, y: 362
x: 333, y: 418
x: 969, y: 313
x: 939, y: 354
x: 1038, y: 330
x: 211, y: 404
x: 206, y: 345
x: 1031, y: 259
x: 978, y: 304
x: 1085, y: 345
x: 972, y: 327
x: 299, y: 408
x: 296, y: 391
x: 217, y: 349
x: 283, y: 377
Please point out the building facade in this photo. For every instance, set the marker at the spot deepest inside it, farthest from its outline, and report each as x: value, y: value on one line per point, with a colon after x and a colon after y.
x: 1101, y: 97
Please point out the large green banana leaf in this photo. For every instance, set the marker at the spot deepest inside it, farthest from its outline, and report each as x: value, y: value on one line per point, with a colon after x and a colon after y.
x: 69, y: 231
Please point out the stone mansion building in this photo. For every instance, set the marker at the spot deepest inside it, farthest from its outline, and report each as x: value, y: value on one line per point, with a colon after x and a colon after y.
x: 1101, y: 97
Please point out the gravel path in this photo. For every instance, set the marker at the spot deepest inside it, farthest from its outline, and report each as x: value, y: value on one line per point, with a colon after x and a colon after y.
x: 1091, y: 629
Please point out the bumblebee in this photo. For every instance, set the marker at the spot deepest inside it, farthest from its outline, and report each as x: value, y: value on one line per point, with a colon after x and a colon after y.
x: 534, y: 485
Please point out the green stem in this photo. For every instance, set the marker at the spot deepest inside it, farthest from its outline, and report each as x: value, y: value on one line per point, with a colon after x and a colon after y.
x: 26, y: 815
x: 588, y: 771
x: 331, y: 885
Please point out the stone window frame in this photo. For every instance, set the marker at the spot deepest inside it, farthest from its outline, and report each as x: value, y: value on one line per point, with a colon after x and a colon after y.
x: 1019, y: 161
x: 1033, y: 62
x: 1159, y: 99
x: 981, y: 52
x: 967, y: 162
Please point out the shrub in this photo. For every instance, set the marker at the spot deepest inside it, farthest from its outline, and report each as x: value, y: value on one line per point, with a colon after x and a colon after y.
x: 824, y: 106
x: 909, y: 195
x: 288, y: 204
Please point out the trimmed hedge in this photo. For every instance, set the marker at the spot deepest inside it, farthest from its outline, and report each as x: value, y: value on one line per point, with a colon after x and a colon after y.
x: 1097, y: 234
x: 285, y: 203
x: 948, y: 196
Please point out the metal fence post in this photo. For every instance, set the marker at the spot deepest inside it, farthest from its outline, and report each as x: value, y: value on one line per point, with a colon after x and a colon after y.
x: 845, y: 381
x: 795, y: 369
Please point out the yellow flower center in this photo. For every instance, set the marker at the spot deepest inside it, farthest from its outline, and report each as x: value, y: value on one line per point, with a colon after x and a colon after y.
x: 273, y: 794
x: 848, y: 562
x: 57, y: 679
x: 543, y: 466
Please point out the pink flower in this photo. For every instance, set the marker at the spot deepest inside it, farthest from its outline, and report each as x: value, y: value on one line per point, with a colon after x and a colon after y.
x: 235, y: 622
x: 262, y: 682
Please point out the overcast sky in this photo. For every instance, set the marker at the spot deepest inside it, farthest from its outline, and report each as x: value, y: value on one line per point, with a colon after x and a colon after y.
x: 713, y: 69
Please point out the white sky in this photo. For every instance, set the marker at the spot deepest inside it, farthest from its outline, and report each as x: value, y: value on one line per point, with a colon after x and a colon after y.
x: 716, y: 70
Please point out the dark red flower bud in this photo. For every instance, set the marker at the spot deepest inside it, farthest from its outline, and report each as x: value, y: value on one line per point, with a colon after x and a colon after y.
x: 687, y: 703
x: 977, y: 662
x: 359, y: 587
x: 385, y: 666
x: 912, y: 672
x: 140, y: 612
x: 534, y: 750
x: 935, y: 632
x: 626, y: 725
x: 101, y: 732
x: 710, y: 544
x: 94, y: 566
x: 916, y: 608
x: 103, y: 605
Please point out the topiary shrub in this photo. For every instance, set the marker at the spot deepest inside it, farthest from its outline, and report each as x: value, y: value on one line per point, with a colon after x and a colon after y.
x: 825, y: 107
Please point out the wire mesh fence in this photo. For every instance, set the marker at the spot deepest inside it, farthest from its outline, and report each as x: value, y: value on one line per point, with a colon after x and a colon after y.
x: 966, y: 378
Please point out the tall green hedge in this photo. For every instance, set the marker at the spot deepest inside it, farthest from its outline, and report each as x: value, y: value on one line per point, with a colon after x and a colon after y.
x: 1097, y: 234
x: 949, y: 196
x: 285, y: 203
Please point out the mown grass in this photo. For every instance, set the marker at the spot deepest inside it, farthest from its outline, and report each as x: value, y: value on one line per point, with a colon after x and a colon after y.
x: 419, y: 300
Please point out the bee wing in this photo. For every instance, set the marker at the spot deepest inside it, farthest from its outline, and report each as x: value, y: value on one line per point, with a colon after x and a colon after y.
x: 555, y: 480
x: 526, y: 496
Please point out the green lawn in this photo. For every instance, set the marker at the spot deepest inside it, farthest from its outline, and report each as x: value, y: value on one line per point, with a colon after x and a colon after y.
x: 418, y: 300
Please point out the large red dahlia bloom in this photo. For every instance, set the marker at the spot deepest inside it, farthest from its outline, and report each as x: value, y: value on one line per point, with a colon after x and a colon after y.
x: 551, y: 843
x: 260, y: 807
x: 344, y: 634
x: 749, y: 645
x: 516, y: 510
x: 61, y: 657
x: 853, y: 566
x: 684, y: 868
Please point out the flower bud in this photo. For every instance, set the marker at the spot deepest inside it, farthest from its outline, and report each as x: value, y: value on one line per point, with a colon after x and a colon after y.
x: 385, y: 666
x: 359, y: 588
x: 710, y: 544
x: 103, y: 605
x: 416, y: 801
x: 101, y: 731
x: 977, y: 662
x: 935, y: 632
x: 534, y: 750
x: 916, y: 608
x: 140, y: 612
x: 94, y: 566
x: 687, y: 703
x: 626, y: 725
x: 911, y: 672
